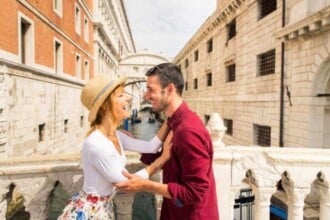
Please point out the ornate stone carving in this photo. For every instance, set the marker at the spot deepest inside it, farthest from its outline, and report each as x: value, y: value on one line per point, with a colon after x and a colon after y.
x: 216, y: 129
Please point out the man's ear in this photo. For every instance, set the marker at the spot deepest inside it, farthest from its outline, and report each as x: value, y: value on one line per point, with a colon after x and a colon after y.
x: 171, y: 88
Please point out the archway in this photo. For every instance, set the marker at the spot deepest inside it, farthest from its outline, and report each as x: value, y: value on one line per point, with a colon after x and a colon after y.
x: 320, y: 107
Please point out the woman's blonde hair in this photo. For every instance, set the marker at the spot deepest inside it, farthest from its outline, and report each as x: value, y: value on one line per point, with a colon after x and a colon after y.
x: 106, y: 106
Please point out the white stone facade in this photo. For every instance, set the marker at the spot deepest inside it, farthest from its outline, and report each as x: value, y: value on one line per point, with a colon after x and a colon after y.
x: 112, y: 36
x: 252, y: 99
x: 33, y: 104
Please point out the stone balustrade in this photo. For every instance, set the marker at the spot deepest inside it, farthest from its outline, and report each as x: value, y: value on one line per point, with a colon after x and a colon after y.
x: 301, y: 176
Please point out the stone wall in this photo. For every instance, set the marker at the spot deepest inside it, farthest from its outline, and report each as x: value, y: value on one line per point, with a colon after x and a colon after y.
x: 41, y: 113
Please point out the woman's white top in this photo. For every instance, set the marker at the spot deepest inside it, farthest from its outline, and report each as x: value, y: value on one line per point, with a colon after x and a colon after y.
x: 103, y: 164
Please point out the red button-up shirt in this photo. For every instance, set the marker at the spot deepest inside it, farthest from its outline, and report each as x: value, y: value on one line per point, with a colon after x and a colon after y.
x: 189, y: 173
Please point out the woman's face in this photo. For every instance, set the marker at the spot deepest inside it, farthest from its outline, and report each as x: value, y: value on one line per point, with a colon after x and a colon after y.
x: 120, y: 101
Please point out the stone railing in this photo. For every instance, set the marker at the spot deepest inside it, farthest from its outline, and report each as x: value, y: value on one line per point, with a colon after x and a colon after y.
x: 300, y: 176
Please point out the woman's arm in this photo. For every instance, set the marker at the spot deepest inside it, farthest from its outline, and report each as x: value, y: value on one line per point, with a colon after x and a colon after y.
x: 142, y: 146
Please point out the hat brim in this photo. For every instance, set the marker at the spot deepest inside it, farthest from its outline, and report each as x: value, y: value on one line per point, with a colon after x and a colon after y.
x: 93, y: 112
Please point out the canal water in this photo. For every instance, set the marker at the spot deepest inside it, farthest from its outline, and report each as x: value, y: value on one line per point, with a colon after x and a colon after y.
x: 144, y: 203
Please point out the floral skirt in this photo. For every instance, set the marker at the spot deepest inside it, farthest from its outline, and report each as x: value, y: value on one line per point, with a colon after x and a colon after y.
x: 84, y: 206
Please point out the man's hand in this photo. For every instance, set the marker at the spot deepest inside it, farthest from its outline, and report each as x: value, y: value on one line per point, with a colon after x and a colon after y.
x: 133, y: 184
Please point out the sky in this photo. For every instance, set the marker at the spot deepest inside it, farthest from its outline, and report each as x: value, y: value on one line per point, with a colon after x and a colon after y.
x: 165, y: 26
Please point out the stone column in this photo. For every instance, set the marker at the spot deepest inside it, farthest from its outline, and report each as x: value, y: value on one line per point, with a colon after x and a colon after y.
x: 216, y: 129
x: 322, y: 186
x: 296, y: 197
x: 262, y: 202
x: 296, y: 203
x: 123, y: 206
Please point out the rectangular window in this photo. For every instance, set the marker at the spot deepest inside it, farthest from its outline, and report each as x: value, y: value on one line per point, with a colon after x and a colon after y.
x: 196, y: 55
x: 206, y: 118
x: 66, y: 125
x: 266, y: 63
x: 86, y: 30
x: 186, y: 63
x: 41, y: 131
x: 209, y: 79
x: 231, y: 29
x: 58, y: 57
x: 81, y: 121
x: 77, y: 23
x: 195, y: 83
x: 26, y: 41
x: 58, y: 7
x: 186, y: 86
x: 266, y: 7
x: 78, y: 66
x: 262, y: 135
x: 86, y: 70
x: 210, y: 45
x: 229, y: 125
x: 231, y: 73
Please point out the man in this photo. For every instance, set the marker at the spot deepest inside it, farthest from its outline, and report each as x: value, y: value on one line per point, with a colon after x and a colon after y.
x: 188, y: 186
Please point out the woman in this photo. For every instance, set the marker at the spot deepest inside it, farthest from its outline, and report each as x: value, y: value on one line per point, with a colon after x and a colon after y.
x: 103, y: 155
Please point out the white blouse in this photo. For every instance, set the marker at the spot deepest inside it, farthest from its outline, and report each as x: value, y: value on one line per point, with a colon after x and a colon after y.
x: 103, y: 164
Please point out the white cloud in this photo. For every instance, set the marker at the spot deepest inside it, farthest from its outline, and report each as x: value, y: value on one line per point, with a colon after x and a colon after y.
x: 166, y: 25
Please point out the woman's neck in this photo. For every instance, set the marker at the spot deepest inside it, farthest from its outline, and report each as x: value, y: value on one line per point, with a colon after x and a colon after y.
x: 109, y: 126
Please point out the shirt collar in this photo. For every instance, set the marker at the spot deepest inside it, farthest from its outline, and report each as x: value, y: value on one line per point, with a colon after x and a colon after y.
x: 173, y: 121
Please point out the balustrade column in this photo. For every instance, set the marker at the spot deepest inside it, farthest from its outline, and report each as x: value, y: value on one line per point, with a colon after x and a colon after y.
x: 262, y: 202
x: 296, y: 203
x: 324, y: 203
x: 321, y: 184
x: 123, y: 206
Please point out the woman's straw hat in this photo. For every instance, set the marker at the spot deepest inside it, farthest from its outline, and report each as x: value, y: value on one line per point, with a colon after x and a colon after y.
x: 96, y: 91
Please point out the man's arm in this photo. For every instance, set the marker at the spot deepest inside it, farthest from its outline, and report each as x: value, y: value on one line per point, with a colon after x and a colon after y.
x: 137, y: 184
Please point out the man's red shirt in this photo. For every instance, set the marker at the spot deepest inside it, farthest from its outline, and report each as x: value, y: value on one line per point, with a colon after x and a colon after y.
x: 188, y: 174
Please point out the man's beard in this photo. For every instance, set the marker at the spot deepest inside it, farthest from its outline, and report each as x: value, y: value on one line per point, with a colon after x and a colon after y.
x: 161, y: 107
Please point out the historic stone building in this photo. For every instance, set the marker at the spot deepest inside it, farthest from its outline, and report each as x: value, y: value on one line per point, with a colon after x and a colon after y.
x: 264, y: 66
x: 112, y: 36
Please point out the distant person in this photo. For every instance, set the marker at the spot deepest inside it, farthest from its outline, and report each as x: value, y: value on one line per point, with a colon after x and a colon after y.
x: 102, y: 156
x: 188, y: 187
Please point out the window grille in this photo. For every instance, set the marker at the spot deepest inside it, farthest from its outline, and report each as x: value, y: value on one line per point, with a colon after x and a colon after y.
x: 262, y: 135
x: 210, y: 45
x: 231, y: 73
x: 195, y: 83
x: 266, y: 63
x: 229, y: 125
x: 209, y: 79
x: 231, y: 29
x: 196, y: 55
x: 266, y: 7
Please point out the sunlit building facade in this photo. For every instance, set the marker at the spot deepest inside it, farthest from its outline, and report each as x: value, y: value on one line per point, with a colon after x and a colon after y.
x: 264, y: 66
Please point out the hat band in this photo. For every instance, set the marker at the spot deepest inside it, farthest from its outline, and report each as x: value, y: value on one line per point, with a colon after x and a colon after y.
x: 103, y: 90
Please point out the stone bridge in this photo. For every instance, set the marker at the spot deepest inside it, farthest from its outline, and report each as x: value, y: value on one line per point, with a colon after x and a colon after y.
x: 297, y: 177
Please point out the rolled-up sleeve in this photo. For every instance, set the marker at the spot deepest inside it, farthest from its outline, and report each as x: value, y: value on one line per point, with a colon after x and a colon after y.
x: 194, y: 162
